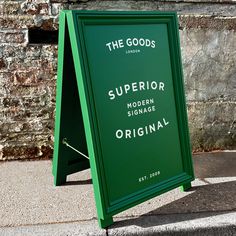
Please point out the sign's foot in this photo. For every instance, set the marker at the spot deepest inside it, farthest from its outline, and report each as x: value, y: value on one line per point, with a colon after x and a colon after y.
x: 186, y: 187
x: 104, y: 223
x: 59, y: 180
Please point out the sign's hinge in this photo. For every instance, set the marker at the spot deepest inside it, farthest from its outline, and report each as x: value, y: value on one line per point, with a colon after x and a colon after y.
x: 64, y: 141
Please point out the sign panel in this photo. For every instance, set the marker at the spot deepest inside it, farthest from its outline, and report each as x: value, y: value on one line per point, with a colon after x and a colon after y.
x: 129, y: 77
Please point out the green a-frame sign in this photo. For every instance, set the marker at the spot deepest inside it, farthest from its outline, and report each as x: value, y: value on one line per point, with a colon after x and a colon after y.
x: 120, y: 102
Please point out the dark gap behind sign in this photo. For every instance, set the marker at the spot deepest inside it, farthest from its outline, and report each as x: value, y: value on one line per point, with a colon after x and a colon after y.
x: 39, y: 36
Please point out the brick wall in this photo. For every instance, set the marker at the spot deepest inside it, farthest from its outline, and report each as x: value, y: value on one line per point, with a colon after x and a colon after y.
x: 28, y: 62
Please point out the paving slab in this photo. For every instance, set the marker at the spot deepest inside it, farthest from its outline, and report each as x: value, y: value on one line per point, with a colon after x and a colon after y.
x: 191, y: 224
x: 83, y: 228
x: 29, y: 199
x: 28, y: 196
x: 198, y: 224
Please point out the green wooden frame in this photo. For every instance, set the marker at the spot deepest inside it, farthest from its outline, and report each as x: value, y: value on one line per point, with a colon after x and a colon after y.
x: 76, y: 79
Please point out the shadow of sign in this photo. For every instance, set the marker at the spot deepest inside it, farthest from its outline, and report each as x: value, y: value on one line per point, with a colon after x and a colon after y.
x: 79, y: 182
x: 212, y: 200
x: 214, y: 194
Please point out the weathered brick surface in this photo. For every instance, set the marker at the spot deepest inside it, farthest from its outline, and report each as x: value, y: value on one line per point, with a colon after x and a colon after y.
x: 13, y: 36
x: 9, y: 7
x: 28, y: 71
x: 35, y: 7
x: 27, y: 98
x: 183, y: 7
x: 212, y: 125
x: 16, y: 21
x: 209, y: 59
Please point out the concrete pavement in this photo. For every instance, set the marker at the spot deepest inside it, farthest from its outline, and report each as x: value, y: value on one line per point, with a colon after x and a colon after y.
x: 31, y: 205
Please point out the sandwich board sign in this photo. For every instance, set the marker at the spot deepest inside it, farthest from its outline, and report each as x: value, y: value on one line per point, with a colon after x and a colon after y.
x: 120, y: 107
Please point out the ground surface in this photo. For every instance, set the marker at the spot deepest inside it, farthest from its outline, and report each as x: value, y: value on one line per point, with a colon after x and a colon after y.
x: 31, y: 205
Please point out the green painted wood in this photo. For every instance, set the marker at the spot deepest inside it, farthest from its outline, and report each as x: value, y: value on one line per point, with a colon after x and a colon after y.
x: 186, y: 187
x: 104, y: 223
x: 128, y: 68
x: 69, y: 122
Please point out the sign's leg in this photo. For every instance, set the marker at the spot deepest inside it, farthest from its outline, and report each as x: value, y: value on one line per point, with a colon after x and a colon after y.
x: 59, y: 180
x: 104, y: 223
x: 69, y: 127
x: 186, y: 187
